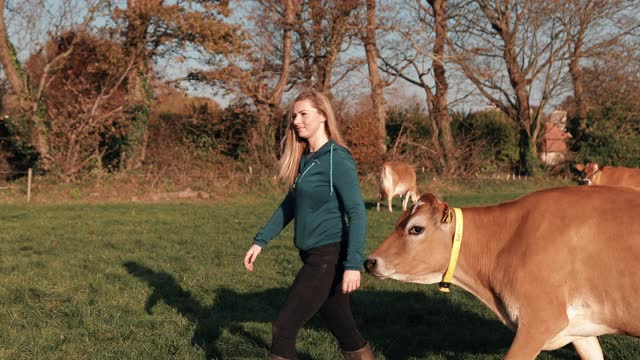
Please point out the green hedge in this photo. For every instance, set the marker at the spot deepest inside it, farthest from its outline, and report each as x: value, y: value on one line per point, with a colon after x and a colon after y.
x: 612, y: 137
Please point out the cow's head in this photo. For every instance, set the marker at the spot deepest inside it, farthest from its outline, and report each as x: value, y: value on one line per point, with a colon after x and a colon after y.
x: 589, y: 170
x: 419, y: 248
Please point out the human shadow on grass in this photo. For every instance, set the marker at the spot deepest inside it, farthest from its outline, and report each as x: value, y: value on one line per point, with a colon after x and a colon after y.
x: 229, y: 311
x: 399, y: 324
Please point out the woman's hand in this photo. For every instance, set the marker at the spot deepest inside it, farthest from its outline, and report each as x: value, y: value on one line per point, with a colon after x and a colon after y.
x: 350, y: 281
x: 251, y: 256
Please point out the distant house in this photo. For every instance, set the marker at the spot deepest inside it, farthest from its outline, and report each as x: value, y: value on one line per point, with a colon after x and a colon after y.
x: 491, y: 107
x: 554, y: 146
x: 559, y: 117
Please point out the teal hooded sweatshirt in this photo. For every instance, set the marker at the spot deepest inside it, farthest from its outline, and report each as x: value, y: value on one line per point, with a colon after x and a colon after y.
x: 326, y: 205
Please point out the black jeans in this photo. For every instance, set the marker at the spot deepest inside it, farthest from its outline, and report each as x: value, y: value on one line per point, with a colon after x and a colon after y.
x: 317, y: 288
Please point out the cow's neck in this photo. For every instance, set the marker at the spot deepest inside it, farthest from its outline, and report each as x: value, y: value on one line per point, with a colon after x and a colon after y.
x: 486, y: 232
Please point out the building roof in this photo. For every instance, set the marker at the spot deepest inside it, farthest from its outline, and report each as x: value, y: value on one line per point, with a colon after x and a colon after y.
x: 558, y: 117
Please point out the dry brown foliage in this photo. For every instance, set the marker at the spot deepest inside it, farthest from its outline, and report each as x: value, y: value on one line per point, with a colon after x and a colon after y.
x: 362, y: 136
x: 84, y: 101
x: 175, y: 161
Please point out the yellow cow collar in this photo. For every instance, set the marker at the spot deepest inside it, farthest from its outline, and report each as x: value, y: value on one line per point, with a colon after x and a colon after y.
x: 455, y: 250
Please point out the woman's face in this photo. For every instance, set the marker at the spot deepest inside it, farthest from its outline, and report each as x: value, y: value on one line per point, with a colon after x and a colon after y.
x: 307, y: 120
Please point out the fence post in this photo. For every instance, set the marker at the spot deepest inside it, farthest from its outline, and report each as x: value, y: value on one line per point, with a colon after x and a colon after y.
x: 29, y: 173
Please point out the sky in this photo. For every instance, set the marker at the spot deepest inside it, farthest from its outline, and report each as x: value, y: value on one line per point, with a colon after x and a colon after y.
x: 29, y: 29
x: 55, y: 15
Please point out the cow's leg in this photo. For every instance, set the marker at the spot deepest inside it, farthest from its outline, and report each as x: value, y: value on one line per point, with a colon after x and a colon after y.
x: 532, y: 336
x: 379, y: 199
x: 525, y: 346
x: 405, y: 201
x: 589, y: 348
x: 389, y: 201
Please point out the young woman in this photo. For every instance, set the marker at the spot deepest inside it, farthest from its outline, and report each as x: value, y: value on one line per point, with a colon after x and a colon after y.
x: 324, y: 189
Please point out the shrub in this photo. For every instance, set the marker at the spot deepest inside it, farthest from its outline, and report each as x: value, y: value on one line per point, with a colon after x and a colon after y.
x: 361, y: 135
x: 409, y: 137
x: 491, y: 140
x: 83, y: 102
x: 612, y: 137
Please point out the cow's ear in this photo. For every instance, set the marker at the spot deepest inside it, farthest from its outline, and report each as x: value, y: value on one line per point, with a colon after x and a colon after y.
x: 447, y: 215
x: 428, y: 198
x: 580, y: 167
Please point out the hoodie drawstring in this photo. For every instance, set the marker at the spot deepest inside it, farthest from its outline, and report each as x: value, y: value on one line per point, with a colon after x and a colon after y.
x: 331, y: 171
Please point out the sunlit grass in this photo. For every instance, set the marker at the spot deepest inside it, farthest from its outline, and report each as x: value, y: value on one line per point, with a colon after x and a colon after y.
x: 166, y: 281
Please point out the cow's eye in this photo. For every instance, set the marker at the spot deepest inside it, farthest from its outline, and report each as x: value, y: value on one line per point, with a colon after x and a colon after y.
x: 416, y: 230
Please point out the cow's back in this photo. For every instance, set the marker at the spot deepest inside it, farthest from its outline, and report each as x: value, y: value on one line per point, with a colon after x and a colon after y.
x: 619, y: 176
x: 397, y: 178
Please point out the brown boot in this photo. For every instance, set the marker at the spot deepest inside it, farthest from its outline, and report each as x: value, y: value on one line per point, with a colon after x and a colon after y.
x: 362, y: 354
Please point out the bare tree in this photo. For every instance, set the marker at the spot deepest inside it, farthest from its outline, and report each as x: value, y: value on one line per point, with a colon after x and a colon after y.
x: 10, y: 64
x: 325, y: 29
x: 595, y: 29
x: 314, y: 35
x: 614, y: 83
x: 25, y: 104
x: 261, y: 75
x: 439, y: 109
x: 169, y: 31
x: 377, y: 85
x: 268, y: 98
x: 139, y: 15
x: 511, y: 51
x: 86, y: 103
x: 416, y: 51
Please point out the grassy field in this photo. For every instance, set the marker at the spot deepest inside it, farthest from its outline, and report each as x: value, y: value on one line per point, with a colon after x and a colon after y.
x: 166, y: 281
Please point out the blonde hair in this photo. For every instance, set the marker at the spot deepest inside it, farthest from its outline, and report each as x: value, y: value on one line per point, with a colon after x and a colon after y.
x: 294, y: 145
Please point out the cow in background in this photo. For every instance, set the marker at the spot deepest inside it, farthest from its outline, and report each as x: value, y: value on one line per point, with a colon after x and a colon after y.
x: 557, y: 266
x: 397, y: 178
x: 610, y: 175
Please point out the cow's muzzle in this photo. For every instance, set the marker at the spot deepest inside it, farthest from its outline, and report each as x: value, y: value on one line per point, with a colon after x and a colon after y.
x: 585, y: 181
x: 370, y: 265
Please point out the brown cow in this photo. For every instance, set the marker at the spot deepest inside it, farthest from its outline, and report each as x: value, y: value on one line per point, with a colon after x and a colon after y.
x: 610, y: 175
x: 557, y: 266
x: 397, y: 178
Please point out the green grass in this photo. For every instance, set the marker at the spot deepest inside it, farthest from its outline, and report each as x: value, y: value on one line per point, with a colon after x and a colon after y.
x: 166, y: 281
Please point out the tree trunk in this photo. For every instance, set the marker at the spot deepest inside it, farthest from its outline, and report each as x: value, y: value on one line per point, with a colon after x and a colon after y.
x: 9, y: 61
x: 263, y: 144
x: 327, y: 43
x: 435, y: 131
x: 377, y: 95
x: 288, y: 24
x: 29, y: 122
x: 440, y: 107
x: 138, y: 82
x: 528, y: 134
x: 529, y: 163
x: 578, y: 96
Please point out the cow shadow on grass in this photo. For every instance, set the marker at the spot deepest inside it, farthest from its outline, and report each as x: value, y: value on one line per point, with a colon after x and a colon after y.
x: 384, y: 207
x: 399, y: 324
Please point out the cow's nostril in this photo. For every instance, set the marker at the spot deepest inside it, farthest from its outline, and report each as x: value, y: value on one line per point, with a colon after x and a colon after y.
x: 370, y: 264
